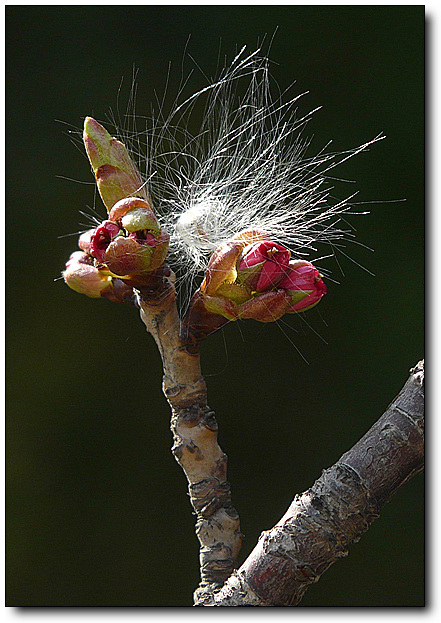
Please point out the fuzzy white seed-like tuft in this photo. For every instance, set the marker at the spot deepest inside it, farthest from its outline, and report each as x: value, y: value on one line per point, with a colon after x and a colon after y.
x: 246, y: 168
x: 198, y: 226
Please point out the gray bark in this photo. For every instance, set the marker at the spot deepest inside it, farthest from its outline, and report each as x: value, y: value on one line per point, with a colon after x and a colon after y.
x: 195, y: 433
x: 319, y: 525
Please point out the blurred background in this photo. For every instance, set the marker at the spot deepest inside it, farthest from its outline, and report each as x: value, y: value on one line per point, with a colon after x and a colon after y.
x: 97, y: 508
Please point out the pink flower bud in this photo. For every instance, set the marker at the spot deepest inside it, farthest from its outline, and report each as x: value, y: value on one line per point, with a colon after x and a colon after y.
x: 84, y: 278
x: 101, y: 238
x: 143, y: 249
x: 304, y: 284
x: 262, y: 265
x: 84, y: 240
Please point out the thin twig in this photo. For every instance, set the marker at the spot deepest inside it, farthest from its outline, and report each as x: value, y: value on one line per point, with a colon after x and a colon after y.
x: 195, y: 446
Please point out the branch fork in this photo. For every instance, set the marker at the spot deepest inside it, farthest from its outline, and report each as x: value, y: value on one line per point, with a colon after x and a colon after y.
x: 250, y: 276
x: 319, y: 526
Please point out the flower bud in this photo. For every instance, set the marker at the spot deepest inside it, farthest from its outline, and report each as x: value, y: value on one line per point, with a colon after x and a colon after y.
x: 84, y: 240
x: 84, y: 278
x: 262, y: 265
x: 304, y: 285
x: 135, y: 214
x: 116, y: 175
x: 249, y: 277
x: 237, y: 273
x: 101, y: 238
x: 138, y: 253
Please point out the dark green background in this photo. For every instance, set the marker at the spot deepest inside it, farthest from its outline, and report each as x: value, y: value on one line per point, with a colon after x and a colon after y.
x: 98, y: 513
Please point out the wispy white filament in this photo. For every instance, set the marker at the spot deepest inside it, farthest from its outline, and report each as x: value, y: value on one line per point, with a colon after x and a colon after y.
x: 246, y: 168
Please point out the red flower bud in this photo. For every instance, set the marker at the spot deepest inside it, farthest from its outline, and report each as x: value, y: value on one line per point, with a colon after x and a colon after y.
x: 304, y: 284
x: 101, y: 238
x: 145, y: 247
x: 262, y: 265
x: 250, y: 280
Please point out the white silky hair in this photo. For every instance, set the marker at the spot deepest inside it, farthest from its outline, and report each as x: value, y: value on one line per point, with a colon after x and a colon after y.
x: 246, y: 168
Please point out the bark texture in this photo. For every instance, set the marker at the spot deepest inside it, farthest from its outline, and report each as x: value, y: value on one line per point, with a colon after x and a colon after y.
x: 319, y: 525
x: 195, y: 431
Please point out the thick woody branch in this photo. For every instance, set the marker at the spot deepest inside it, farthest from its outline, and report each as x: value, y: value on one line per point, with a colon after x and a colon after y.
x: 319, y: 525
x: 194, y: 429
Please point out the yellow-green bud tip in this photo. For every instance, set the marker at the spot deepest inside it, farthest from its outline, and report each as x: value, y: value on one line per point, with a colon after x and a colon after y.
x: 116, y: 175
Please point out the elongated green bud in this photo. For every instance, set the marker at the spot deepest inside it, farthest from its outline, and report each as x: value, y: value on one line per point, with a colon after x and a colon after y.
x: 116, y: 175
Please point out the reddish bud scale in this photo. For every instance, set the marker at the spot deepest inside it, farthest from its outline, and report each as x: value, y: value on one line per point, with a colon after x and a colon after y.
x: 124, y: 256
x: 222, y: 267
x: 266, y: 307
x: 136, y: 254
x: 198, y: 323
x: 126, y: 205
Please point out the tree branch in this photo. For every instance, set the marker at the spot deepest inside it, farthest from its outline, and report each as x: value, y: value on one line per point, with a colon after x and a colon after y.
x: 319, y: 525
x: 195, y: 446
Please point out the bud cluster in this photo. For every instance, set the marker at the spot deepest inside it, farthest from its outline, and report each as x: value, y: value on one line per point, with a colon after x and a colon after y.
x: 250, y: 276
x: 253, y: 277
x: 129, y: 245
